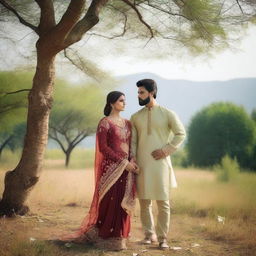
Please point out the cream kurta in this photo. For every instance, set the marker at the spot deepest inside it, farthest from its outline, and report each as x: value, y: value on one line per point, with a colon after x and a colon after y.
x: 156, y: 176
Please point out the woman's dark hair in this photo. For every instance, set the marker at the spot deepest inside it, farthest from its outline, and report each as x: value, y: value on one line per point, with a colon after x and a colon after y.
x: 149, y: 85
x: 112, y: 97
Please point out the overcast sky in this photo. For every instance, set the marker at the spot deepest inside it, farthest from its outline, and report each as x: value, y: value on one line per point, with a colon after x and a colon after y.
x: 236, y: 63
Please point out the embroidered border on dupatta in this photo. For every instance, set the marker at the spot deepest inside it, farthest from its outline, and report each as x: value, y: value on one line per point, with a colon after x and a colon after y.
x: 128, y: 202
x: 110, y: 178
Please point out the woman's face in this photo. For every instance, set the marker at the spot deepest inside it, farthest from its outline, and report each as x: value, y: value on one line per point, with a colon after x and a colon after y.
x: 119, y: 105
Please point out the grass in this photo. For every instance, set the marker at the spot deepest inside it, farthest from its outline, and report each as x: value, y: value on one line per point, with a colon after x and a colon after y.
x: 62, y: 197
x: 200, y: 193
x: 54, y: 159
x: 80, y: 159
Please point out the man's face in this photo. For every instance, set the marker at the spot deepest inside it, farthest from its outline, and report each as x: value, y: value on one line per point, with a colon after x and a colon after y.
x: 143, y: 93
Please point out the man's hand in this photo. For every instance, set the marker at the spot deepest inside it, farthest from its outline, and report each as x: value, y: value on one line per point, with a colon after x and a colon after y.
x: 158, y: 154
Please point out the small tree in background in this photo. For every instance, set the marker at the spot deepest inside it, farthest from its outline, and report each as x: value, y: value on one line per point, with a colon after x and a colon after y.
x: 13, y: 108
x: 75, y: 114
x: 218, y: 130
x: 227, y: 170
x: 13, y: 138
x: 252, y: 160
x: 253, y: 115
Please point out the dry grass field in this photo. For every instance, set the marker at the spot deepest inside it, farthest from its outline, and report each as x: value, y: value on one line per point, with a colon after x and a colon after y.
x: 61, y: 199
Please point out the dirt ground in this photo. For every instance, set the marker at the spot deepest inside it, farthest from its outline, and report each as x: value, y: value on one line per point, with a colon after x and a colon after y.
x: 188, y: 235
x: 61, y: 199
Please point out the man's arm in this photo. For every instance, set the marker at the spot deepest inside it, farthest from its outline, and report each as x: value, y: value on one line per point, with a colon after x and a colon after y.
x: 179, y: 132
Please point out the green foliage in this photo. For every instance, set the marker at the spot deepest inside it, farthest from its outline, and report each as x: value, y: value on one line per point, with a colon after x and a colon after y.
x: 227, y: 170
x: 13, y: 106
x: 218, y: 130
x: 179, y: 158
x: 75, y: 115
x: 76, y: 109
x: 9, y: 159
x: 18, y: 134
x: 253, y: 115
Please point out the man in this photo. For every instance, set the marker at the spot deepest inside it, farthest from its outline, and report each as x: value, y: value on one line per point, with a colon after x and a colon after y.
x: 157, y: 133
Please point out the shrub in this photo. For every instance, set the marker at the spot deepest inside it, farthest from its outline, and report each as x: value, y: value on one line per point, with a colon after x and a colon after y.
x: 228, y: 169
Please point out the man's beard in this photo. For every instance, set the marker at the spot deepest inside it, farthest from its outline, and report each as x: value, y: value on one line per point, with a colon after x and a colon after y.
x: 144, y: 102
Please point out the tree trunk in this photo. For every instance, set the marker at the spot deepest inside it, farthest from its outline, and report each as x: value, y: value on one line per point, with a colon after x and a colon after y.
x: 20, y: 181
x: 67, y: 153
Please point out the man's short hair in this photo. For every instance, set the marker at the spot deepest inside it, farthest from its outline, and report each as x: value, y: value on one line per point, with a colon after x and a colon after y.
x: 149, y: 84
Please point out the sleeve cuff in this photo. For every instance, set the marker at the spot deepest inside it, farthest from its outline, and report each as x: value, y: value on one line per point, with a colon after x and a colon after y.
x: 168, y: 149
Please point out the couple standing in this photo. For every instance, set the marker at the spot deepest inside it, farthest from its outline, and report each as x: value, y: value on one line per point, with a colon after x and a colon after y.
x: 132, y: 156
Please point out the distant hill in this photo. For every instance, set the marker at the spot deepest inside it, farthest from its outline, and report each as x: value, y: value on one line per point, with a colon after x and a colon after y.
x: 188, y: 97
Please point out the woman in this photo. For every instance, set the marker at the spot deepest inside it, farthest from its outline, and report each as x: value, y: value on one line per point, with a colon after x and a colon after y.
x: 107, y: 224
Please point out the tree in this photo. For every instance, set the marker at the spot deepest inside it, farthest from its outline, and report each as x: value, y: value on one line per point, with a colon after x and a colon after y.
x: 13, y: 103
x: 196, y: 24
x: 252, y: 162
x: 71, y: 121
x: 253, y: 115
x: 218, y: 130
x: 14, y: 137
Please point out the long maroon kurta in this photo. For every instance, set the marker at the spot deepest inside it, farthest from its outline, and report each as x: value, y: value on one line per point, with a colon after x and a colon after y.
x: 114, y: 144
x: 108, y: 222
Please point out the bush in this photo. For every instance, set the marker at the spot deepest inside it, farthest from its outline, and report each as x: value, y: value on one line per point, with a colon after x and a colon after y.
x: 221, y: 129
x: 227, y: 170
x: 179, y: 158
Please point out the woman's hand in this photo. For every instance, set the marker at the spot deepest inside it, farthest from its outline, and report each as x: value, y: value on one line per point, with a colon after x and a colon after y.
x: 132, y: 167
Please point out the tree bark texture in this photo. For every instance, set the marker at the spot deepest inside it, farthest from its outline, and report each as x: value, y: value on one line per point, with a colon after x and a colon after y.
x: 19, y: 181
x: 53, y: 38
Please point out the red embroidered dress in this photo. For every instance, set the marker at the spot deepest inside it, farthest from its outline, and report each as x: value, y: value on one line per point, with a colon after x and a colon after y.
x: 108, y: 222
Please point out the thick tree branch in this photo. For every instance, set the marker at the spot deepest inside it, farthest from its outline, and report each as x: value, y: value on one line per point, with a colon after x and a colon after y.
x: 139, y: 16
x: 47, y: 18
x: 90, y: 19
x: 70, y: 18
x: 22, y: 21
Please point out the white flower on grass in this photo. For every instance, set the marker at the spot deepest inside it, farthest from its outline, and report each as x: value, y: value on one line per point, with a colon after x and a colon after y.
x: 221, y: 219
x: 32, y: 239
x: 195, y: 245
x: 175, y: 248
